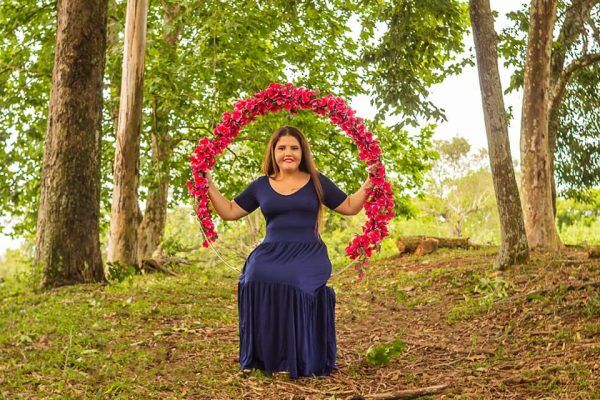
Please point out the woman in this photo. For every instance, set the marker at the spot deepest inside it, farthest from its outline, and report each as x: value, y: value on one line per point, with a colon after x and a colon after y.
x: 286, y: 311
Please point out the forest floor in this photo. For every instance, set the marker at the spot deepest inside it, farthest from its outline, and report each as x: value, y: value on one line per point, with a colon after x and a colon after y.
x: 446, y: 320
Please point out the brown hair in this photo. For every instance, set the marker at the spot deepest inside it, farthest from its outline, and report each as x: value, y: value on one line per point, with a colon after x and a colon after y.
x: 307, y: 163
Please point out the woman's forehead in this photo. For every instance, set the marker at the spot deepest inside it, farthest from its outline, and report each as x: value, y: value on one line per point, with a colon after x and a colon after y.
x: 287, y: 140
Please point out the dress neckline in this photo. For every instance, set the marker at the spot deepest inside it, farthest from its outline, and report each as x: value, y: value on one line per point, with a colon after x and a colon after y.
x: 287, y: 195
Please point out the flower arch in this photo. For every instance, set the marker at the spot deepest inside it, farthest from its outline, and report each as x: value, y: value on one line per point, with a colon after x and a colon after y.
x: 379, y: 205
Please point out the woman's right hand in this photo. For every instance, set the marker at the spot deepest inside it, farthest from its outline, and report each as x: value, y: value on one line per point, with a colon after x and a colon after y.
x: 208, y: 177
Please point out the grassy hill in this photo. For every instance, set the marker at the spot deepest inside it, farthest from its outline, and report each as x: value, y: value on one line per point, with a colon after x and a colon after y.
x: 445, y: 319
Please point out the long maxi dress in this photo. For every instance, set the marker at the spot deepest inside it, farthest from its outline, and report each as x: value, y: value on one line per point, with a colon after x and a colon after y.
x: 286, y: 311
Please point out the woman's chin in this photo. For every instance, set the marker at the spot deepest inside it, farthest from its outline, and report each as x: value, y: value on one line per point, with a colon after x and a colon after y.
x: 288, y: 168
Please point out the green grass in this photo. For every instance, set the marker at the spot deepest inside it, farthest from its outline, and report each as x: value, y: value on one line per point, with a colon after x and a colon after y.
x: 155, y: 336
x: 112, y: 338
x: 592, y: 329
x: 468, y: 308
x: 487, y: 291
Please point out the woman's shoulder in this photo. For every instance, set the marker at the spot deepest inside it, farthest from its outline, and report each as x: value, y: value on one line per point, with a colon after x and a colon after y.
x: 254, y: 183
x: 259, y: 180
x: 323, y: 177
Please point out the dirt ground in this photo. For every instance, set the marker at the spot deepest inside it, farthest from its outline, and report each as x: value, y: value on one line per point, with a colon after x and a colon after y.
x: 540, y: 341
x: 462, y: 331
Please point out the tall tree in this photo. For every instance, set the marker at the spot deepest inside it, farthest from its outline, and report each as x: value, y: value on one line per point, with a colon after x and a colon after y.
x: 67, y: 242
x: 574, y: 93
x: 125, y: 213
x: 513, y: 240
x: 535, y: 156
x: 153, y: 223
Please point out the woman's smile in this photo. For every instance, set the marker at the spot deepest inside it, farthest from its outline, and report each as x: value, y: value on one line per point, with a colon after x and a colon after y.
x: 288, y: 153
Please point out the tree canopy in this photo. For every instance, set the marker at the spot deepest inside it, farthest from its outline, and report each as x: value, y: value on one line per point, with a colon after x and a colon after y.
x: 575, y: 56
x: 223, y: 51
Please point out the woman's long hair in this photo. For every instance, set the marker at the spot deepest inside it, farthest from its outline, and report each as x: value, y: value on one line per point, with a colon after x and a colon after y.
x: 307, y: 163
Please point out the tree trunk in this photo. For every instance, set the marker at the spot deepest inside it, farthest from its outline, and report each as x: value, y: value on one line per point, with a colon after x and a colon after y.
x: 67, y: 239
x: 125, y: 213
x: 553, y: 124
x: 535, y: 159
x: 513, y: 247
x: 408, y: 244
x: 152, y: 228
x: 155, y: 215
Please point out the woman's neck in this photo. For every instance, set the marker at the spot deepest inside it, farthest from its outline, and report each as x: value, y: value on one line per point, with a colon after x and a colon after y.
x: 289, y: 175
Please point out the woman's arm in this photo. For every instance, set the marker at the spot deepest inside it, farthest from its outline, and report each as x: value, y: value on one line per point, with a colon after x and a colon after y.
x: 227, y: 209
x: 354, y: 203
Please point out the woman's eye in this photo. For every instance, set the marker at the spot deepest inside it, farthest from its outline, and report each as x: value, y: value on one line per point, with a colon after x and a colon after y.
x: 282, y: 148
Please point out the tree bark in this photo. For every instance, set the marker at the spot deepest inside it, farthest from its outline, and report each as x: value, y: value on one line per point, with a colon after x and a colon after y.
x: 152, y: 228
x: 535, y: 157
x: 125, y: 213
x: 513, y: 247
x: 408, y: 244
x: 553, y: 125
x: 67, y: 238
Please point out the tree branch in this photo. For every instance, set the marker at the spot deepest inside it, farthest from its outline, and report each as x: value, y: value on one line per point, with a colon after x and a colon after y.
x: 563, y: 78
x: 595, y: 30
x: 570, y: 30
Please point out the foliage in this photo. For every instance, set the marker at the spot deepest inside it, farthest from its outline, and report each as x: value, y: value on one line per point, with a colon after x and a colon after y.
x: 489, y: 289
x: 579, y: 221
x: 223, y: 51
x: 572, y: 212
x: 578, y: 137
x: 183, y: 237
x: 14, y: 262
x: 458, y: 200
x: 459, y: 192
x: 422, y: 224
x: 468, y: 308
x: 116, y: 272
x: 578, y: 141
x: 213, y: 67
x: 494, y: 288
x: 17, y: 271
x: 26, y: 55
x: 380, y: 354
x: 181, y: 230
x: 418, y: 47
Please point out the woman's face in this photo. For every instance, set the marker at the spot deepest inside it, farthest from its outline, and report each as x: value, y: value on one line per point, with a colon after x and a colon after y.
x: 288, y: 153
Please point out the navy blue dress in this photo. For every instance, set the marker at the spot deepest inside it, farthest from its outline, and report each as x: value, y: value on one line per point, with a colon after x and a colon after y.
x: 286, y: 311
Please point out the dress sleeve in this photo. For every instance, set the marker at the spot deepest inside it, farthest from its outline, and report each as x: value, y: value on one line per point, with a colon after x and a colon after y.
x: 248, y: 199
x: 333, y: 196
